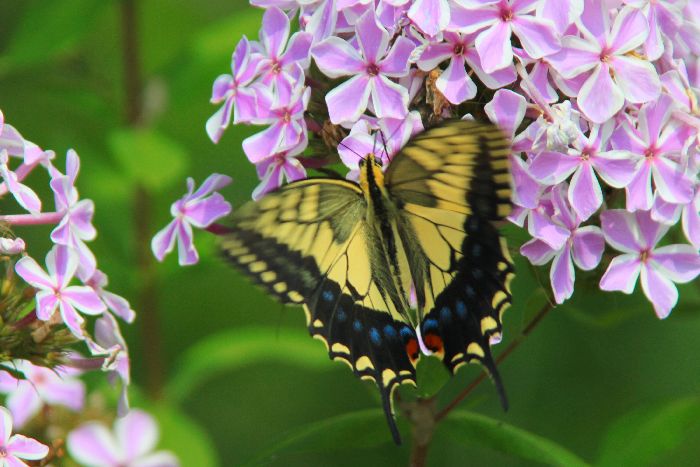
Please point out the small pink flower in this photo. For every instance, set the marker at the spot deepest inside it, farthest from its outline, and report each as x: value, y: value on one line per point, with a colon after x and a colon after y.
x: 615, y: 76
x: 370, y: 69
x: 41, y: 386
x: 75, y: 228
x: 17, y: 447
x: 24, y: 195
x: 130, y: 444
x: 197, y: 208
x: 636, y: 235
x: 283, y: 166
x: 116, y: 304
x: 54, y: 291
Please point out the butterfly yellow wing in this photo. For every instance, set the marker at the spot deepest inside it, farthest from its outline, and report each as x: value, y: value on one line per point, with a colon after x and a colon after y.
x: 308, y: 243
x: 452, y: 182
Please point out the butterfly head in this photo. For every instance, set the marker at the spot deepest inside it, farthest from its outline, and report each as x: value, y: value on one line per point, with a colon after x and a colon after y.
x: 371, y: 175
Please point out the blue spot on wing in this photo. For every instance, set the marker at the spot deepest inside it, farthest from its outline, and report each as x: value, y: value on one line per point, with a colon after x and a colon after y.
x: 327, y: 295
x: 390, y: 331
x: 461, y: 309
x: 470, y: 291
x: 406, y: 332
x: 357, y: 325
x: 340, y: 314
x: 374, y: 336
x: 430, y: 324
x: 445, y: 314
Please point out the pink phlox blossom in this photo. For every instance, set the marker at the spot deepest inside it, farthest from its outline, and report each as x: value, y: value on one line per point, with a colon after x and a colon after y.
x: 24, y: 195
x: 277, y: 64
x: 636, y: 235
x: 430, y: 16
x: 129, y: 444
x: 383, y: 138
x: 284, y: 112
x: 320, y: 19
x: 541, y: 221
x: 53, y: 291
x: 41, y: 386
x: 274, y: 170
x: 507, y: 110
x: 587, y: 160
x: 370, y: 69
x: 116, y: 304
x: 76, y: 225
x: 665, y: 19
x: 110, y: 344
x: 496, y: 21
x: 614, y: 74
x: 235, y: 91
x: 677, y: 84
x: 198, y: 208
x: 558, y: 130
x: 14, y: 448
x: 659, y: 141
x: 583, y: 247
x: 454, y: 82
x: 561, y: 14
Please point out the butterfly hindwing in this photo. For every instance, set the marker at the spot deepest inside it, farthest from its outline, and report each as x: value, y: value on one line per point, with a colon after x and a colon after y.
x: 452, y: 182
x: 307, y: 243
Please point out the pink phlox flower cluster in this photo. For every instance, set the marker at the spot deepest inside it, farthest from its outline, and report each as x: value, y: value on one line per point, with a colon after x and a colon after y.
x: 601, y: 106
x: 129, y: 444
x: 40, y: 386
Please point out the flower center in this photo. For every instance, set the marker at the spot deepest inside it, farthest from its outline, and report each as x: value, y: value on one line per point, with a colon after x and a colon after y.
x: 650, y: 152
x: 506, y: 13
x: 276, y: 68
x: 287, y: 117
x: 458, y: 49
x: 3, y: 452
x: 644, y: 255
x: 605, y: 55
x: 586, y: 154
x: 372, y: 69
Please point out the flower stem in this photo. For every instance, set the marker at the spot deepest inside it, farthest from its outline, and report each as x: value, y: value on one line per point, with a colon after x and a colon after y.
x: 513, y: 345
x: 33, y: 219
x: 148, y: 293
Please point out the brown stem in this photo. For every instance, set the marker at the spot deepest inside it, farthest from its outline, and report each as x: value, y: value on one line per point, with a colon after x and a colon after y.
x: 421, y: 414
x: 513, y: 345
x: 147, y: 302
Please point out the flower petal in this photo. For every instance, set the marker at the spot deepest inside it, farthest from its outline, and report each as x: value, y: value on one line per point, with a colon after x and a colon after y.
x: 629, y: 31
x: 84, y: 298
x: 335, y: 58
x: 679, y: 263
x: 637, y: 79
x: 371, y: 37
x: 552, y: 167
x: 536, y: 35
x: 616, y: 168
x: 29, y: 270
x: 621, y: 231
x: 671, y: 182
x: 639, y: 195
x: 390, y: 100
x: 585, y: 195
x: 396, y: 64
x: 274, y: 31
x: 137, y: 434
x: 494, y: 47
x: 660, y: 291
x: 455, y: 84
x: 431, y: 16
x: 347, y: 101
x: 588, y: 246
x: 600, y: 97
x: 622, y: 274
x: 537, y: 251
x: 26, y: 448
x: 92, y: 444
x: 561, y: 275
x: 203, y: 212
x: 5, y: 425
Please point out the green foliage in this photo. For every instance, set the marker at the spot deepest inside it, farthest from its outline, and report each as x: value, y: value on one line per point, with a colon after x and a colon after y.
x: 470, y: 428
x: 228, y: 351
x: 148, y: 158
x: 357, y: 430
x: 642, y: 436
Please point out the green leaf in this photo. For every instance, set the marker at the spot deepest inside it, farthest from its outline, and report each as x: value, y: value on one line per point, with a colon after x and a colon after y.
x: 148, y: 157
x: 184, y: 437
x: 471, y: 429
x: 431, y: 376
x: 48, y: 29
x: 219, y: 40
x: 230, y: 350
x: 643, y: 435
x: 358, y: 430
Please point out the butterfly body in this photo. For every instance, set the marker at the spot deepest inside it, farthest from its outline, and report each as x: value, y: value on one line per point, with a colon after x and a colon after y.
x: 406, y: 258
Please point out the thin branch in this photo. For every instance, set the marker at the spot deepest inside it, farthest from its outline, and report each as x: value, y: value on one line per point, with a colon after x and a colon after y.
x: 142, y: 209
x: 513, y: 345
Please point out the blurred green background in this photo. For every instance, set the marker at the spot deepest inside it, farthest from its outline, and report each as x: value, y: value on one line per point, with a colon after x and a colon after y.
x: 233, y: 376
